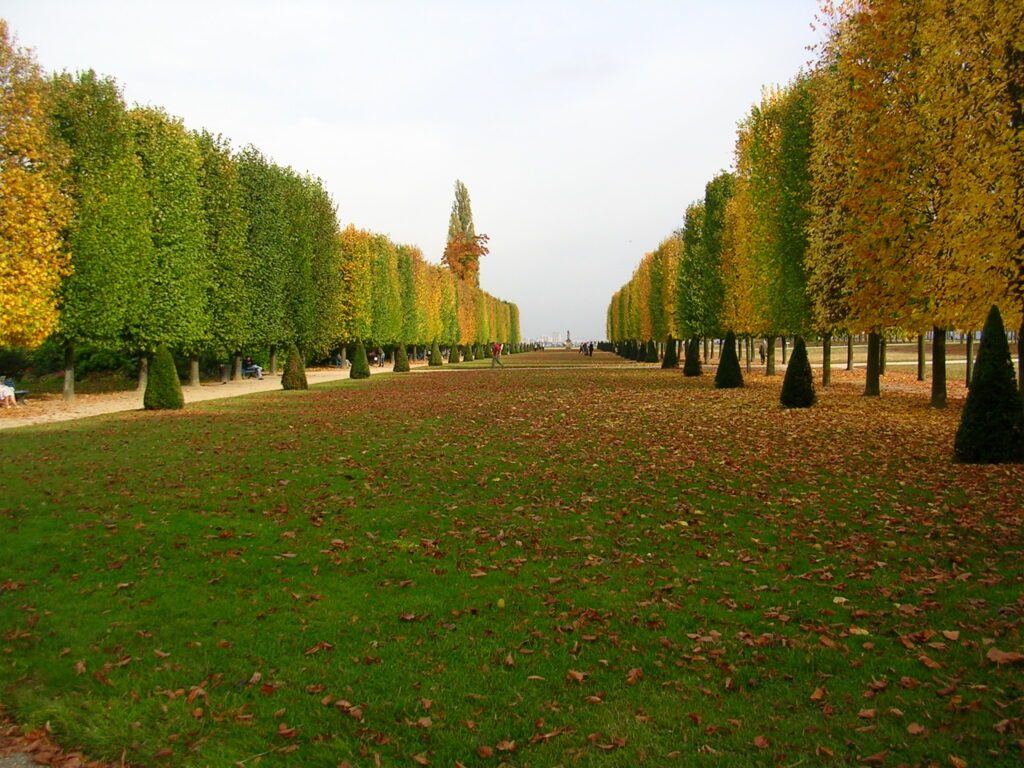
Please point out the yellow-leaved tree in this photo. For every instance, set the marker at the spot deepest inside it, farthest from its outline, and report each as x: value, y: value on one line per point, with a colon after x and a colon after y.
x: 33, y: 212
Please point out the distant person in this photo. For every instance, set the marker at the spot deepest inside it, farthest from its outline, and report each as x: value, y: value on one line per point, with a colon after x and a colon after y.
x: 762, y: 351
x: 496, y: 355
x: 7, y: 398
x: 250, y: 365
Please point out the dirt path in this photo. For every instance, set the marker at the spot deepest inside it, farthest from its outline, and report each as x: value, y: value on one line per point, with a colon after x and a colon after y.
x: 46, y: 409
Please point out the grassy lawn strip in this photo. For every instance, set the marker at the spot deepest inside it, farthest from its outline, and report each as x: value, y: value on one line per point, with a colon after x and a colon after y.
x: 589, y: 566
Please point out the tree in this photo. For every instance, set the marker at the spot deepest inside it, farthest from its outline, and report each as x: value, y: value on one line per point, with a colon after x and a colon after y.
x: 386, y: 291
x: 163, y: 387
x: 360, y: 363
x: 462, y: 254
x: 33, y: 210
x: 401, y: 359
x: 268, y: 242
x: 294, y: 376
x: 691, y: 366
x: 229, y: 294
x: 356, y: 285
x: 103, y: 297
x: 464, y: 246
x: 798, y: 384
x: 177, y: 286
x: 728, y: 375
x: 991, y: 427
x: 435, y: 354
x: 671, y: 359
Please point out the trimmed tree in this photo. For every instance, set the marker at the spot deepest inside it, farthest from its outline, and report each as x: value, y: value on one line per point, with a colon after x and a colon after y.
x: 991, y: 428
x: 360, y: 364
x: 435, y: 354
x: 163, y: 388
x: 692, y: 365
x: 469, y: 353
x: 728, y: 375
x: 798, y: 385
x: 294, y: 376
x: 671, y: 359
x: 401, y: 359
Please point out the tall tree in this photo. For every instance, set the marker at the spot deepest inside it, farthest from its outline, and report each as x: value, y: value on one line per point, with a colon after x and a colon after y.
x: 226, y: 226
x: 464, y: 247
x: 33, y: 210
x: 178, y: 284
x: 111, y: 251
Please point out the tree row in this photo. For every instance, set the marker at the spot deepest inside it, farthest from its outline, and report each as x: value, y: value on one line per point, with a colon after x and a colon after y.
x: 881, y: 192
x: 121, y: 229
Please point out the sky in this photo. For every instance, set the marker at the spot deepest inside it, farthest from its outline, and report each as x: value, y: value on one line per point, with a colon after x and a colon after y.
x: 581, y: 129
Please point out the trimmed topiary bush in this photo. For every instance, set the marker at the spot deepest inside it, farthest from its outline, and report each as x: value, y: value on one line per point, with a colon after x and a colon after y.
x: 163, y: 387
x: 435, y: 354
x: 294, y: 376
x: 360, y: 363
x: 671, y: 359
x: 691, y: 366
x: 469, y: 353
x: 651, y: 355
x: 401, y: 359
x: 798, y: 385
x: 991, y: 428
x: 728, y: 375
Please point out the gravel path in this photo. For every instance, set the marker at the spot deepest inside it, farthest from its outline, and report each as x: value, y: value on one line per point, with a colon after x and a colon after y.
x: 52, y: 408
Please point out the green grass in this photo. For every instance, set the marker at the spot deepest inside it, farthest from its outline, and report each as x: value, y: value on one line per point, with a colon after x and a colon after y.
x: 203, y: 587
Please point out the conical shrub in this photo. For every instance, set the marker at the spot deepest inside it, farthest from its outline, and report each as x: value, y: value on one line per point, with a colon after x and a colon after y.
x: 991, y: 427
x: 728, y: 375
x: 294, y: 376
x: 163, y: 387
x: 435, y: 354
x: 469, y: 353
x: 691, y: 366
x: 671, y: 359
x: 798, y: 385
x: 360, y: 363
x: 652, y: 352
x: 401, y: 359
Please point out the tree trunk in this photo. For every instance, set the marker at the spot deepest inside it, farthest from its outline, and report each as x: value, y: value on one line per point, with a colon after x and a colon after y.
x: 750, y: 351
x: 920, y: 357
x: 883, y: 347
x: 970, y: 357
x: 938, y: 368
x: 770, y: 362
x: 826, y: 359
x: 143, y: 372
x: 783, y: 350
x: 871, y: 384
x: 69, y: 373
x: 273, y: 359
x: 1020, y: 357
x: 707, y: 350
x: 344, y: 357
x: 849, y: 352
x: 193, y: 370
x: 236, y: 367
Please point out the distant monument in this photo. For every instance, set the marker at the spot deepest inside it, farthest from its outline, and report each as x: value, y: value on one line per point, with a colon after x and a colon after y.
x: 568, y: 340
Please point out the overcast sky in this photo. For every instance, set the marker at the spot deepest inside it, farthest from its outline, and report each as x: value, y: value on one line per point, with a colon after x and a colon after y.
x: 581, y: 129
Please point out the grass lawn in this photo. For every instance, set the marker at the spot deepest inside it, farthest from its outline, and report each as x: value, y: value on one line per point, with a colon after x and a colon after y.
x: 577, y: 565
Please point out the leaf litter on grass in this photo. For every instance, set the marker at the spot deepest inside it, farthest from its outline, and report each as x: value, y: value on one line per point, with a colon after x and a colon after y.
x: 602, y: 566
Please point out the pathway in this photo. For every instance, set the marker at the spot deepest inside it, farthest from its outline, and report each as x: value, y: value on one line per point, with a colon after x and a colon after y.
x: 52, y: 408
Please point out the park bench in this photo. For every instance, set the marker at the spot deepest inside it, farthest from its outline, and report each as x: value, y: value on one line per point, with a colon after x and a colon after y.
x: 249, y: 372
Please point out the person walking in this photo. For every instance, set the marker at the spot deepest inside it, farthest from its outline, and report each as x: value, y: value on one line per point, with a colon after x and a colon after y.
x: 496, y: 355
x: 762, y: 351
